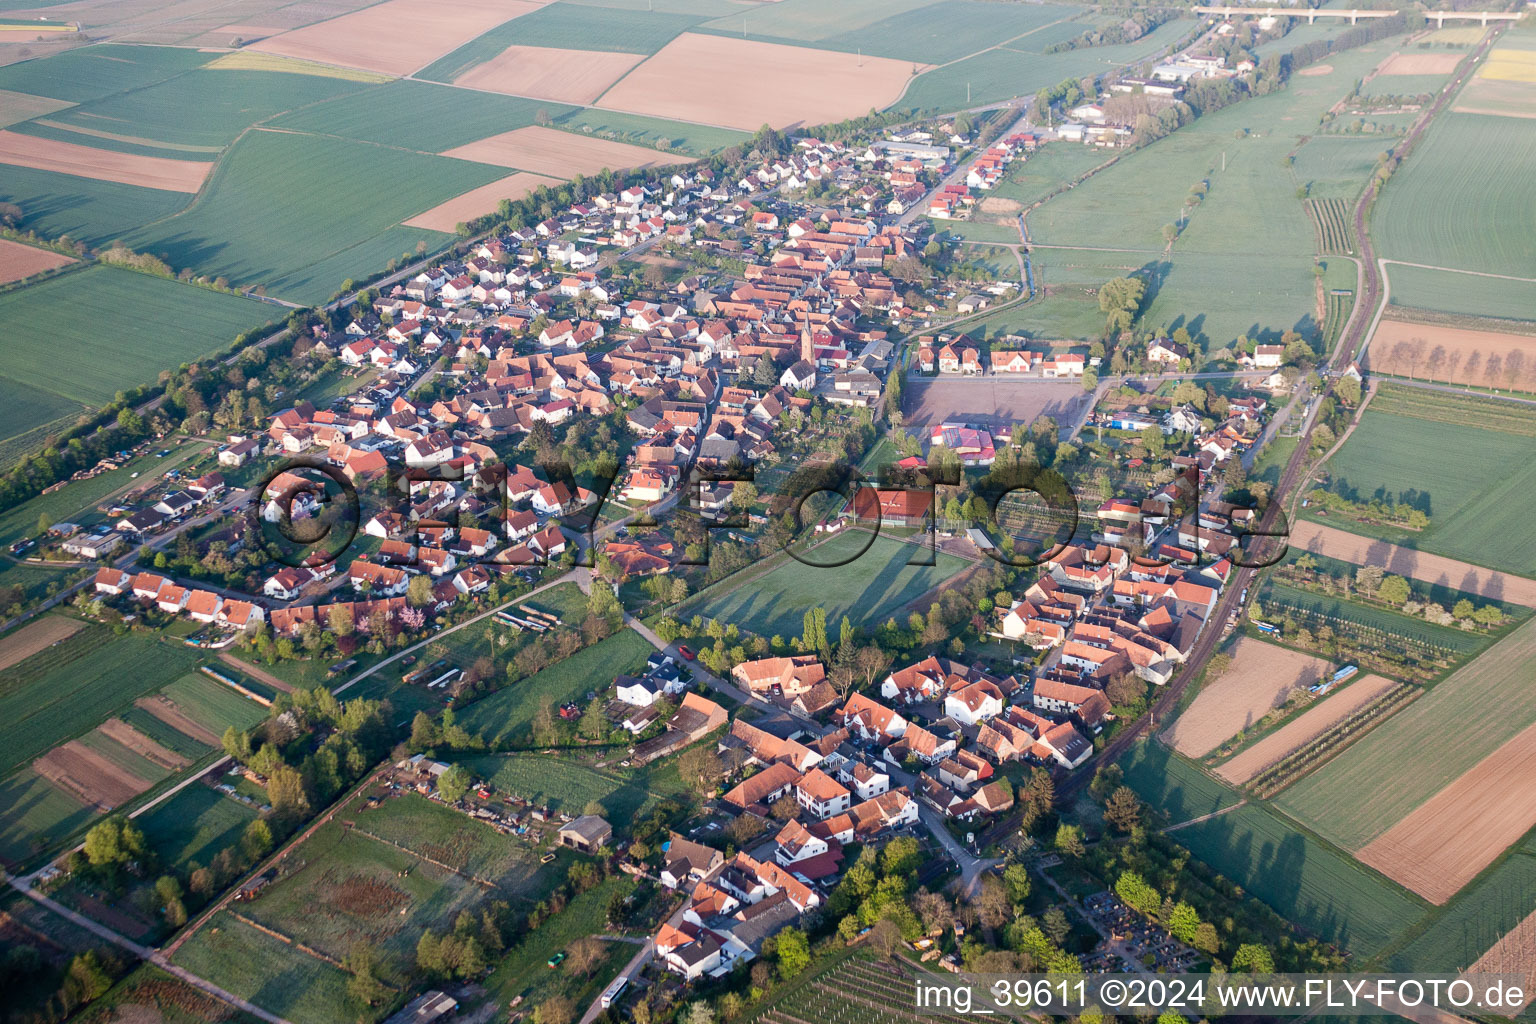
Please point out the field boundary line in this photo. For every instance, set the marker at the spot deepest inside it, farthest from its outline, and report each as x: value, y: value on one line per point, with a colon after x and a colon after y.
x: 487, y: 883
x: 1204, y: 817
x: 280, y: 937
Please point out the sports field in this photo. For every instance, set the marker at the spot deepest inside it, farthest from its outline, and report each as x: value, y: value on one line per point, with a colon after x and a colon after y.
x: 86, y: 335
x: 251, y: 226
x: 1474, y: 484
x: 1489, y: 700
x: 870, y: 588
x: 1463, y: 199
x: 504, y: 716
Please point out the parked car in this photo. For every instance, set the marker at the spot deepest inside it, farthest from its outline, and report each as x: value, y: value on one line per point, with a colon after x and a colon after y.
x: 685, y: 652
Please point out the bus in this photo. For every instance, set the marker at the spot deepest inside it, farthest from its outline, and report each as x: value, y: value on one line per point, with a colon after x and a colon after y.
x: 611, y: 993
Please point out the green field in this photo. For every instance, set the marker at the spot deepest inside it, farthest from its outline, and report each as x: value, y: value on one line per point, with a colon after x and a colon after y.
x: 167, y: 737
x: 873, y: 586
x: 933, y: 33
x: 59, y: 342
x: 250, y: 225
x: 1404, y: 85
x: 423, y: 116
x: 1469, y: 294
x: 194, y: 825
x: 267, y: 971
x: 1338, y: 166
x: 446, y: 835
x: 213, y: 705
x: 1489, y: 700
x: 1069, y: 305
x: 202, y: 108
x: 1474, y: 483
x: 1221, y: 296
x: 92, y: 211
x: 70, y: 688
x: 1022, y: 68
x: 1172, y: 784
x: 680, y: 136
x: 1463, y: 198
x: 1456, y: 936
x: 1321, y: 890
x: 565, y: 26
x: 504, y: 716
x: 34, y: 815
x: 92, y: 72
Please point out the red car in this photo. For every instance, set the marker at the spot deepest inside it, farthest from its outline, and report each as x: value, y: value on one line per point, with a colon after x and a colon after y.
x: 685, y: 652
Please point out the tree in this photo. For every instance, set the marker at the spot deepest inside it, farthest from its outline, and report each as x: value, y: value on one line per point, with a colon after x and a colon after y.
x: 1056, y: 925
x: 700, y: 767
x: 1124, y: 688
x: 594, y: 721
x: 794, y: 952
x: 556, y: 1009
x: 1251, y: 956
x: 285, y: 791
x: 1120, y: 300
x: 1368, y: 578
x: 103, y: 848
x: 364, y: 986
x: 339, y: 616
x: 1184, y: 922
x: 699, y: 1012
x: 256, y: 841
x: 1395, y: 590
x: 454, y: 783
x: 418, y: 592
x: 1016, y: 879
x: 902, y: 856
x: 993, y: 907
x: 1069, y: 840
x: 585, y: 954
x: 1463, y: 609
x: 1123, y: 809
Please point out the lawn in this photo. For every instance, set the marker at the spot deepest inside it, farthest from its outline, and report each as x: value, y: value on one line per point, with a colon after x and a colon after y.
x: 89, y: 334
x: 566, y: 26
x: 524, y: 972
x: 70, y: 688
x: 92, y: 211
x: 1474, y: 484
x: 1463, y: 198
x: 423, y: 116
x: 504, y: 716
x: 1351, y: 801
x: 871, y: 587
x: 202, y: 108
x: 34, y: 815
x: 267, y: 971
x: 194, y: 825
x: 251, y: 226
x: 1319, y: 889
x: 92, y: 72
x: 445, y: 835
x: 567, y: 787
x: 1452, y: 292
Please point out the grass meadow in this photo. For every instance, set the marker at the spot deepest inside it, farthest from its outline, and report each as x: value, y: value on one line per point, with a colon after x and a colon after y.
x: 1463, y: 198
x: 194, y: 825
x: 1474, y: 483
x: 1489, y: 700
x: 1338, y: 166
x: 873, y: 586
x: 267, y: 971
x: 565, y: 786
x: 88, y: 334
x: 505, y: 716
x: 250, y: 225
